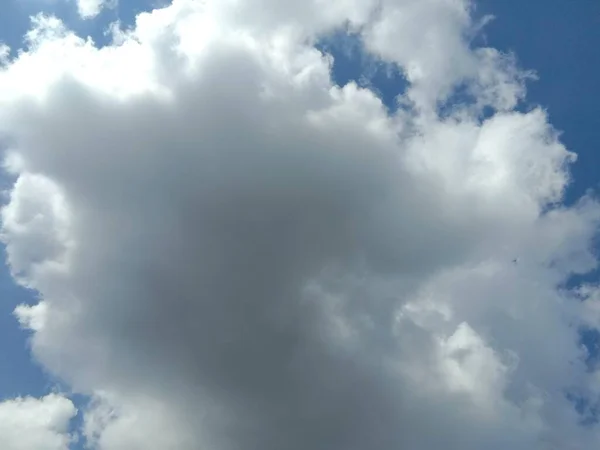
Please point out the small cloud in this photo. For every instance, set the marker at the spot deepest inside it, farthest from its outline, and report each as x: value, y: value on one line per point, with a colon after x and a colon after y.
x: 88, y: 9
x: 36, y: 424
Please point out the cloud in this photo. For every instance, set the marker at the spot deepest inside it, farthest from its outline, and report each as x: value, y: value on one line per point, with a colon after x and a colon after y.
x: 36, y: 424
x: 88, y: 9
x: 233, y: 252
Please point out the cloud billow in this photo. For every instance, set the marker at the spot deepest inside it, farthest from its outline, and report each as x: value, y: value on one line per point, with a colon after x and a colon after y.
x: 232, y: 252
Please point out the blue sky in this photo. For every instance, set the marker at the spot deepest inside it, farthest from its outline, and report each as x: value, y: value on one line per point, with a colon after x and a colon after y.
x: 558, y: 39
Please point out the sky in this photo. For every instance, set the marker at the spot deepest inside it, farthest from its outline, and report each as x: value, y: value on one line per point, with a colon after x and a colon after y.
x: 264, y: 224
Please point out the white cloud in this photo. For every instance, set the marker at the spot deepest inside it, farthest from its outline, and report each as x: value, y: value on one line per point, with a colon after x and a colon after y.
x: 36, y: 424
x: 89, y: 9
x: 233, y: 252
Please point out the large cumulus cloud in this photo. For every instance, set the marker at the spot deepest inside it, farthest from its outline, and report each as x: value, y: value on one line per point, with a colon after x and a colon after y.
x: 233, y: 252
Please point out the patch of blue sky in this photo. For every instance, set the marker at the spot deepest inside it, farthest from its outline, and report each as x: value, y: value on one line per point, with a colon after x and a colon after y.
x: 351, y: 63
x: 588, y: 409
